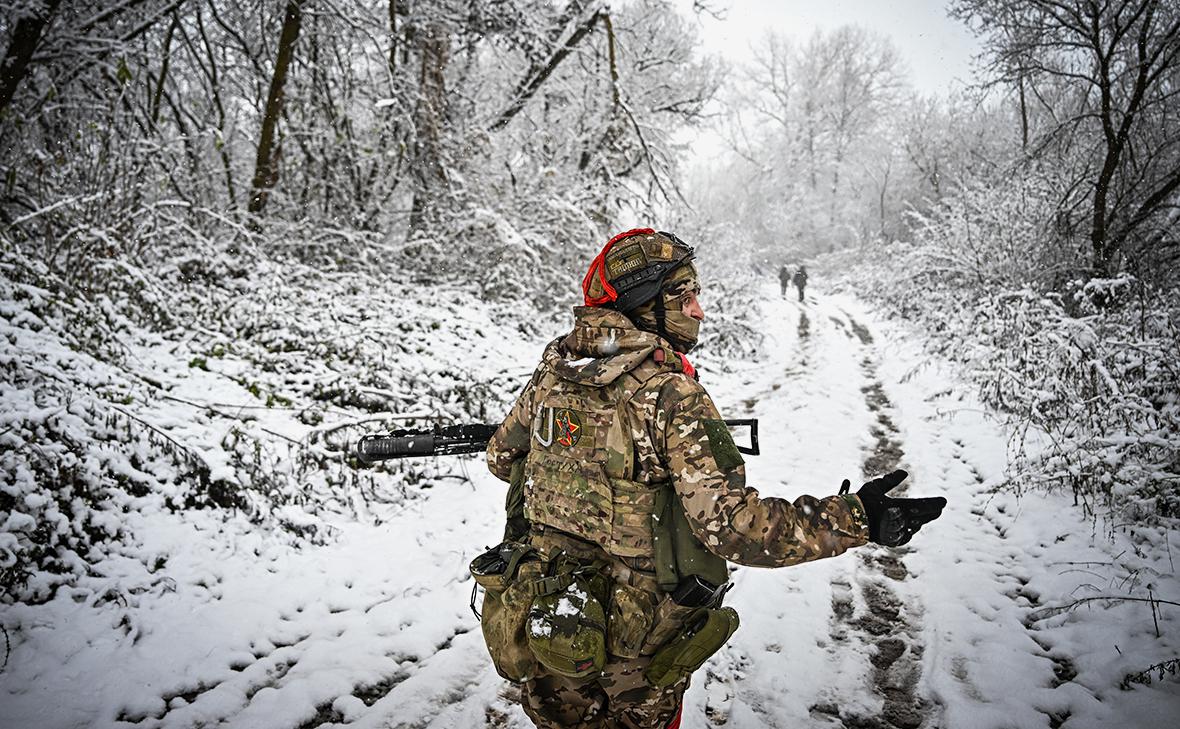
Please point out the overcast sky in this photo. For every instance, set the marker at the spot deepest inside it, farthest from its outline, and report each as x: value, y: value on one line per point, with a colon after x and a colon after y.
x: 937, y: 49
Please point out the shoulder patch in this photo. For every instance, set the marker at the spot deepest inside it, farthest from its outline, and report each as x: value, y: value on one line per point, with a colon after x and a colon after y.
x: 721, y: 443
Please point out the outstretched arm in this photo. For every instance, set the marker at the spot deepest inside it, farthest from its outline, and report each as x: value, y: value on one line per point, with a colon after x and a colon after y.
x: 730, y: 518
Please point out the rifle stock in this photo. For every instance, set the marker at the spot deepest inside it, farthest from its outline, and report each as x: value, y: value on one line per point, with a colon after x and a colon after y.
x: 471, y: 438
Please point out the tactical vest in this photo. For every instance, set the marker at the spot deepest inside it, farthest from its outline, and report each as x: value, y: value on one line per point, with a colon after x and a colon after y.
x: 580, y: 471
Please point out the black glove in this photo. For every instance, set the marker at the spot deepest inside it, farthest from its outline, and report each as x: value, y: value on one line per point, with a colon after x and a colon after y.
x: 893, y: 522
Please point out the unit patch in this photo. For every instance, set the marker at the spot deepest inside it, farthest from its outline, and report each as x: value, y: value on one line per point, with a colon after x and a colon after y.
x: 558, y: 425
x: 721, y: 443
x: 568, y: 427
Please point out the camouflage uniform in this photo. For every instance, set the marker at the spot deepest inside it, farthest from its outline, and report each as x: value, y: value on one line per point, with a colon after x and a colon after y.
x: 673, y: 435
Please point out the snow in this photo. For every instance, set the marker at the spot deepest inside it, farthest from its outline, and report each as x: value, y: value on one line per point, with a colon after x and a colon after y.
x: 205, y: 618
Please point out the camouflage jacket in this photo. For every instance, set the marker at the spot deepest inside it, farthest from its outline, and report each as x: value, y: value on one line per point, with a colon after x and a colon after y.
x: 683, y: 441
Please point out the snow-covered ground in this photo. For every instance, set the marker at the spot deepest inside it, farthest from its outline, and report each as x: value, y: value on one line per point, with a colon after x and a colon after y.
x: 209, y: 622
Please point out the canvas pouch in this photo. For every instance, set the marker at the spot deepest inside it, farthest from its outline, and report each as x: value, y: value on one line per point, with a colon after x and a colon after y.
x: 507, y: 573
x: 703, y: 635
x: 567, y: 626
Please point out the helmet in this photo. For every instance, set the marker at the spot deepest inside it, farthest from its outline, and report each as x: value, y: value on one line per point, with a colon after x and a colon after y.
x: 632, y: 267
x: 639, y: 273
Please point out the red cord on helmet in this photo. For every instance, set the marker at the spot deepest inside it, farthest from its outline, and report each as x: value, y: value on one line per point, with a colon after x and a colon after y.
x: 599, y: 266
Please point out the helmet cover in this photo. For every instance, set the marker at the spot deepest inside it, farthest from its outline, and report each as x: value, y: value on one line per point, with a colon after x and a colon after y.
x: 631, y: 269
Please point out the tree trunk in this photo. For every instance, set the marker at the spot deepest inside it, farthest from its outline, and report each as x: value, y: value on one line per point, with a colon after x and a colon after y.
x: 430, y: 176
x: 266, y: 168
x: 536, y: 76
x: 1023, y: 114
x: 25, y: 38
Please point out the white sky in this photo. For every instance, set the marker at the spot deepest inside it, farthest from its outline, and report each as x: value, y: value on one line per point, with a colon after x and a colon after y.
x: 937, y: 49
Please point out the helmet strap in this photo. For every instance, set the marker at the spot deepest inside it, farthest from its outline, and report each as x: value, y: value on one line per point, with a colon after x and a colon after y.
x: 661, y: 315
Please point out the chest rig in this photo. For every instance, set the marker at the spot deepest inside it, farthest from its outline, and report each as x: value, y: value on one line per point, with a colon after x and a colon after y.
x: 592, y: 471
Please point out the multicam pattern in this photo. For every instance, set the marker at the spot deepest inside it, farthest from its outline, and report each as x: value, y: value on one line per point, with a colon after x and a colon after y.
x: 643, y: 424
x: 669, y: 441
x: 620, y: 697
x: 681, y: 328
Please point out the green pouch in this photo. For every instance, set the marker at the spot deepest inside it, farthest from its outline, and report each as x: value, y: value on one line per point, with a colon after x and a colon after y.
x: 507, y: 573
x: 567, y: 628
x: 706, y: 631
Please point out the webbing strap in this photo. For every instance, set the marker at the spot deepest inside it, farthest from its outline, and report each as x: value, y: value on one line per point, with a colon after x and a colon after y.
x: 551, y: 584
x: 517, y: 555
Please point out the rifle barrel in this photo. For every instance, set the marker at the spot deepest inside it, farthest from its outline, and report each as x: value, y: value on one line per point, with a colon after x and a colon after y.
x: 472, y: 438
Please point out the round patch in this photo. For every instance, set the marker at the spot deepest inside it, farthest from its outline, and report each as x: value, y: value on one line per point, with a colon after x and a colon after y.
x: 569, y: 428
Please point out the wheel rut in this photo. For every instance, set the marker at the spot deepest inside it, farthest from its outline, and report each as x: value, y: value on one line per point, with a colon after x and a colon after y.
x: 870, y: 609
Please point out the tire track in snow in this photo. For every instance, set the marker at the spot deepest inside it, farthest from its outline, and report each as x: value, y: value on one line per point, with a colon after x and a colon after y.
x: 867, y: 609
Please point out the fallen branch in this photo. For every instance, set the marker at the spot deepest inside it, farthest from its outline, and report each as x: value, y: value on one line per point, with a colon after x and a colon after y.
x: 1050, y: 612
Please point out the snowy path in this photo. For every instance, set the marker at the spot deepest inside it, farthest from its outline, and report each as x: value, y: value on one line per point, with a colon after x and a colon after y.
x: 373, y: 630
x: 839, y: 645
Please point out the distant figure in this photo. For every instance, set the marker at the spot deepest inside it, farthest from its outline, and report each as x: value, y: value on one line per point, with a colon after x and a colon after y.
x: 800, y: 281
x: 784, y: 278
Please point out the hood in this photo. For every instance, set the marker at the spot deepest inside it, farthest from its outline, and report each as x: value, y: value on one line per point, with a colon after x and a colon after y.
x: 603, y: 345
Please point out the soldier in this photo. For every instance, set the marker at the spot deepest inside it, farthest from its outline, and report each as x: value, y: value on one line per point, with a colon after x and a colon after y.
x: 800, y: 280
x: 630, y: 494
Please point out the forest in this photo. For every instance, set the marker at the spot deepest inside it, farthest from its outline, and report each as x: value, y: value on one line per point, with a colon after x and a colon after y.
x: 237, y: 236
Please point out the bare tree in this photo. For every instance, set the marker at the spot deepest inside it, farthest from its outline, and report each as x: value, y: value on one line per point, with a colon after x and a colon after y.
x: 266, y: 168
x: 816, y: 128
x: 1121, y: 61
x: 25, y: 38
x: 429, y: 167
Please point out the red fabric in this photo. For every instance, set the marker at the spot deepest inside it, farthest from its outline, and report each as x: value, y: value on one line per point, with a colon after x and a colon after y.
x: 687, y: 366
x: 676, y: 722
x: 599, y: 266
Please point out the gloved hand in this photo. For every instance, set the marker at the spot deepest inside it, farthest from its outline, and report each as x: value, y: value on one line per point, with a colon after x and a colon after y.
x: 893, y: 522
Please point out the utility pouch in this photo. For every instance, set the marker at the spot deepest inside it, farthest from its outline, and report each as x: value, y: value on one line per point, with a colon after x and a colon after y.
x: 704, y: 634
x: 668, y: 623
x: 567, y: 623
x: 632, y: 613
x: 507, y: 572
x: 676, y: 551
x: 495, y: 569
x: 516, y: 526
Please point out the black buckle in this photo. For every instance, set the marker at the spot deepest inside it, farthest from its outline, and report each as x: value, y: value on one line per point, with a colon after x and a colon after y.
x: 696, y: 592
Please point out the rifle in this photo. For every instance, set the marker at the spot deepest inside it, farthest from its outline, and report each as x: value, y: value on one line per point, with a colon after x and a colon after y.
x: 471, y: 438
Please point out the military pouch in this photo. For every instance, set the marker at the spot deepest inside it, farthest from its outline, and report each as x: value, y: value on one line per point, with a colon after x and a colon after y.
x: 669, y: 621
x: 507, y: 573
x: 495, y: 569
x: 704, y: 634
x: 567, y: 626
x: 632, y: 612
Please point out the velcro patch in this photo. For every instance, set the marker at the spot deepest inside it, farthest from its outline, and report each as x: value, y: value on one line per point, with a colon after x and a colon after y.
x: 622, y: 261
x: 564, y: 427
x: 721, y: 443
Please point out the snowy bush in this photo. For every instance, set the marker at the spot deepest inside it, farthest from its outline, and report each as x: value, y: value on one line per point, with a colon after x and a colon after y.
x: 75, y: 453
x: 1102, y: 386
x: 289, y: 364
x: 1091, y: 391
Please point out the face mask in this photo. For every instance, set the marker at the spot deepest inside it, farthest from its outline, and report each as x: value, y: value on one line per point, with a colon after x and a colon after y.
x: 680, y: 329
